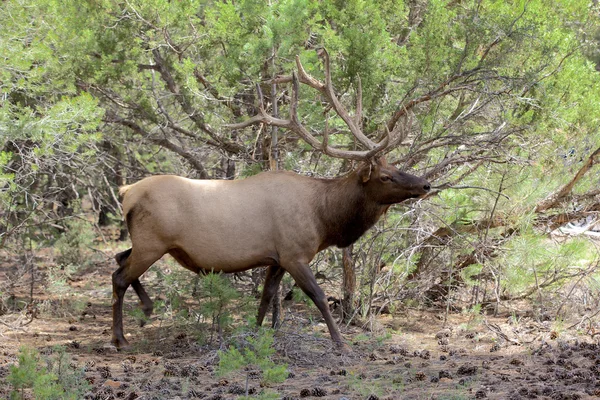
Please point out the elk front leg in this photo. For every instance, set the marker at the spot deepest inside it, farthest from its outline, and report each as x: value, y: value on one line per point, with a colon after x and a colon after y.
x: 305, y: 279
x: 272, y: 281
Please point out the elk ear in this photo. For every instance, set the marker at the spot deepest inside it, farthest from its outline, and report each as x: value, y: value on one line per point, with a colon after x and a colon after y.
x: 364, y: 173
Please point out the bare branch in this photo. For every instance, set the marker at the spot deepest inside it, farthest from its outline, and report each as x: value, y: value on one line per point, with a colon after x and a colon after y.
x: 232, y: 104
x: 195, y: 115
x: 163, y: 142
x: 438, y: 92
x: 447, y: 186
x: 556, y: 197
x: 498, y: 39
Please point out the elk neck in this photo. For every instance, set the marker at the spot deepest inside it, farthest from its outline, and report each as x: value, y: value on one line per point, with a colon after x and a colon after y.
x: 345, y: 210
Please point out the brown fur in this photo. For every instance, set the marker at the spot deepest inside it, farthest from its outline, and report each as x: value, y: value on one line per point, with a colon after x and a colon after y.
x: 276, y: 219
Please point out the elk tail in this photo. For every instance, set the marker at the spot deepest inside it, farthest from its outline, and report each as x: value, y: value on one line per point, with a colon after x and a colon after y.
x: 123, y: 190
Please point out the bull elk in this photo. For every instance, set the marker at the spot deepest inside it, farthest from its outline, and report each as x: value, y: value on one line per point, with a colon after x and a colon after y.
x: 279, y: 220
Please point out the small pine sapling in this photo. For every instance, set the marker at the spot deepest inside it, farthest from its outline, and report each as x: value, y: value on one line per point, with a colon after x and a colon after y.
x: 56, y: 381
x: 217, y: 296
x: 253, y: 352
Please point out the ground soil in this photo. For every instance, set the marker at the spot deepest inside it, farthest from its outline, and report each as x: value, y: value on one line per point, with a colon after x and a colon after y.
x: 413, y: 354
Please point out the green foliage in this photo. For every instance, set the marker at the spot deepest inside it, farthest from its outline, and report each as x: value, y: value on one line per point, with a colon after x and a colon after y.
x: 253, y: 351
x: 24, y: 375
x: 534, y: 260
x: 251, y: 170
x: 49, y: 126
x: 459, y: 205
x: 56, y: 381
x: 204, y: 305
x: 217, y: 300
x: 299, y: 296
x: 475, y: 317
x: 44, y: 105
x: 73, y: 245
x: 470, y: 271
x: 71, y: 378
x: 174, y: 289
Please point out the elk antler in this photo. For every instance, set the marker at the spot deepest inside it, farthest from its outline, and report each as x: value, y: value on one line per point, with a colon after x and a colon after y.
x: 353, y: 123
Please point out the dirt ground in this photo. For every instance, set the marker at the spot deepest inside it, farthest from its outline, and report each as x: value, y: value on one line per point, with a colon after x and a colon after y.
x: 413, y: 354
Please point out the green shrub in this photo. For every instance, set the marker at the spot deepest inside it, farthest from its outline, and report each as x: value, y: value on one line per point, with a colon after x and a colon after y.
x: 57, y: 380
x: 73, y: 245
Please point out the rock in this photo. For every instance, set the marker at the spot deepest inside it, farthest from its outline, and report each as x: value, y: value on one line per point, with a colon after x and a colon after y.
x: 112, y: 384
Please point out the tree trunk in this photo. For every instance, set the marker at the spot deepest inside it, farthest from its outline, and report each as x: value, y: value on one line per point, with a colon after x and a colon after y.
x: 349, y: 284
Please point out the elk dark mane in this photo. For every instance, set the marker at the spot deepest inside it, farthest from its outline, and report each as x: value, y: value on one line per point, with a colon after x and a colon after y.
x: 345, y: 211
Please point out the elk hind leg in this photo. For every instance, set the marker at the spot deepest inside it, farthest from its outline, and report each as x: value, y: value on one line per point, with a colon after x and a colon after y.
x: 272, y: 281
x: 147, y: 304
x: 132, y: 264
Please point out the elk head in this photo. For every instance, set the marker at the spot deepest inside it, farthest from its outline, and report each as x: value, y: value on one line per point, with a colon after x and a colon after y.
x: 386, y: 184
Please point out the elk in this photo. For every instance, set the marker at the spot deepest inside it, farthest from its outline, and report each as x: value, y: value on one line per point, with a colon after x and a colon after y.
x: 279, y: 220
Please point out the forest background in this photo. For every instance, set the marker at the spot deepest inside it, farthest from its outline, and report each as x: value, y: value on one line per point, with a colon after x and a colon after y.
x: 499, y: 101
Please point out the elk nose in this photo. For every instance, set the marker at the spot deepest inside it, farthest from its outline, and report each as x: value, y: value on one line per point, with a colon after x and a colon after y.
x: 427, y: 187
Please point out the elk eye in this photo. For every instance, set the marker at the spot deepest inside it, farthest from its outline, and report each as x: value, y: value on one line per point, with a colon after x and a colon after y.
x: 386, y: 178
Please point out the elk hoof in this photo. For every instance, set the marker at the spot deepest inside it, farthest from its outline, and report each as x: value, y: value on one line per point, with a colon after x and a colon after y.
x: 343, y: 348
x: 147, y: 312
x: 120, y: 343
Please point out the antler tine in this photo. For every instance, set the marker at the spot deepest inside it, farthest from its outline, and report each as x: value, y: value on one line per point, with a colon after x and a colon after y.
x: 307, y: 79
x: 339, y: 108
x: 299, y: 129
x: 398, y: 134
x: 380, y: 147
x: 259, y: 92
x: 294, y: 99
x: 325, y: 54
x: 325, y: 144
x: 296, y: 126
x: 359, y: 110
